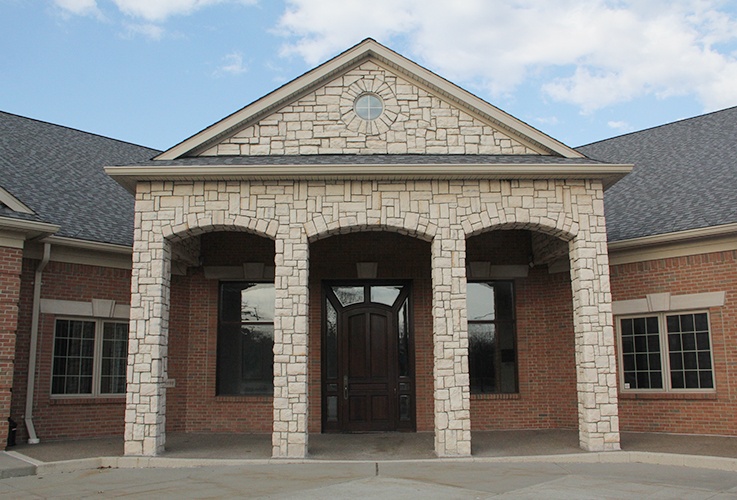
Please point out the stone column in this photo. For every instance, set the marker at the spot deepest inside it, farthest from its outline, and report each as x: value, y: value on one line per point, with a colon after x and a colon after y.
x: 289, y: 437
x: 11, y: 259
x: 450, y: 340
x: 145, y: 414
x: 596, y: 367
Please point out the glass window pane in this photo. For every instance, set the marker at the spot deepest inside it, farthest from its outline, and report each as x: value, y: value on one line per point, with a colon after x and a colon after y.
x: 482, y: 354
x: 257, y: 303
x: 403, y: 341
x: 331, y: 341
x: 385, y: 294
x: 641, y: 353
x: 114, y: 358
x: 348, y: 295
x: 257, y: 359
x: 74, y: 342
x: 690, y: 352
x: 481, y: 302
x: 245, y: 362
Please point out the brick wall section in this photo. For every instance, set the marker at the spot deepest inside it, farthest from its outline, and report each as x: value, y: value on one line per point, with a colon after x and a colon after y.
x: 684, y: 413
x: 545, y: 347
x: 414, y: 121
x: 193, y: 404
x: 67, y: 417
x: 10, y: 282
x: 545, y: 361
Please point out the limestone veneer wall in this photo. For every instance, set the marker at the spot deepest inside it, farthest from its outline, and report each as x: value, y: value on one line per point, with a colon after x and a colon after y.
x: 444, y: 212
x: 414, y: 122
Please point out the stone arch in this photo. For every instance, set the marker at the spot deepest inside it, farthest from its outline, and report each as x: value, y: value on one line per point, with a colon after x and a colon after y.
x: 196, y: 225
x: 410, y: 225
x: 557, y: 224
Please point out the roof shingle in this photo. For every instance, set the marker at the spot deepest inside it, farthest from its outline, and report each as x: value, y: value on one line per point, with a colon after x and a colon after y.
x: 57, y: 172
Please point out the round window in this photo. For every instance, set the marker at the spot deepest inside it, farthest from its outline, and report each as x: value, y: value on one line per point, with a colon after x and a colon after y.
x: 368, y: 106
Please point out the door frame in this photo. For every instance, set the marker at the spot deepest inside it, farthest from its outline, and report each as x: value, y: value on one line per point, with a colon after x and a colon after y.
x: 325, y: 392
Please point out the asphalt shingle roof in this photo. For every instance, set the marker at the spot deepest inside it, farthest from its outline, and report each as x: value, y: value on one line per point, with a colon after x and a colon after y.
x: 685, y: 176
x: 58, y: 173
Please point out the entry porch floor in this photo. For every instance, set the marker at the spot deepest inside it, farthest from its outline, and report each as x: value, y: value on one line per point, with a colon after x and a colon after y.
x: 381, y: 446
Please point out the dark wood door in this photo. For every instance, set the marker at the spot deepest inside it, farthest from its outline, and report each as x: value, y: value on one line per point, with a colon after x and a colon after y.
x: 368, y: 362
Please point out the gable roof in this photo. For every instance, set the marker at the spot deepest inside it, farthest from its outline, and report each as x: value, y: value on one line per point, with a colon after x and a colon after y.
x: 368, y: 49
x: 56, y: 173
x: 685, y: 176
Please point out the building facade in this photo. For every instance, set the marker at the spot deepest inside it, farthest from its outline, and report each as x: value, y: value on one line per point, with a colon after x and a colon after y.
x: 369, y: 248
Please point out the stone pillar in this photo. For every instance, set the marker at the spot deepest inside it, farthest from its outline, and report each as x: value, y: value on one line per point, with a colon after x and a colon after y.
x: 145, y: 414
x: 450, y: 340
x: 289, y: 437
x: 11, y: 259
x: 596, y: 367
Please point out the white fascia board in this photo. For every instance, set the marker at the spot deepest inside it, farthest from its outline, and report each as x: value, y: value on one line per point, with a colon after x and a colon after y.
x: 32, y: 228
x: 462, y: 96
x: 351, y: 57
x: 680, y: 236
x: 128, y: 176
x: 279, y: 96
x: 14, y: 203
x: 89, y: 245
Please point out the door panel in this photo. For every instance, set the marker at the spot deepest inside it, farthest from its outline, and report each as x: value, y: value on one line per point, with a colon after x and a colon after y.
x: 367, y: 343
x: 369, y: 381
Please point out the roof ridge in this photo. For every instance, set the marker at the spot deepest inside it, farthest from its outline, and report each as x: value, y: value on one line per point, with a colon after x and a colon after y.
x: 44, y: 122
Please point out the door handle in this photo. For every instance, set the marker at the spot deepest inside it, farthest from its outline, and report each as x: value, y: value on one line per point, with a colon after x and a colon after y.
x: 345, y: 387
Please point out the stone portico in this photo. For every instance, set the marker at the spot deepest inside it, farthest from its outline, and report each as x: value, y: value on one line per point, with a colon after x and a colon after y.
x: 438, y: 165
x: 294, y: 213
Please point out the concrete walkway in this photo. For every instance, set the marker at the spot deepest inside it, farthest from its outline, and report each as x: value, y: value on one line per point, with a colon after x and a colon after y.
x: 508, y: 465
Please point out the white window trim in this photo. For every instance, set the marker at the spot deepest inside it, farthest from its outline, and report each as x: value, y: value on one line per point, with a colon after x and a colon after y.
x: 96, y: 362
x: 664, y: 353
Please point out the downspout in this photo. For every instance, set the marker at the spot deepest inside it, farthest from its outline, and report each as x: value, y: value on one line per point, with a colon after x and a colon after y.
x: 32, y: 437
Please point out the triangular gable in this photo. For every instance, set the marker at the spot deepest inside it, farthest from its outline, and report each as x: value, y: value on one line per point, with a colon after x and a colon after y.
x: 423, y: 114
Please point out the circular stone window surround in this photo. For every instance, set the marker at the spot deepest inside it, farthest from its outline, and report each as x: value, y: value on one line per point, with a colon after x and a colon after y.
x: 369, y: 86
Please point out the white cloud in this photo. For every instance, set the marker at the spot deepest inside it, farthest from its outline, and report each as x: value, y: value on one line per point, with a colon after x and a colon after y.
x: 591, y: 53
x: 232, y: 65
x: 147, y: 30
x: 620, y: 126
x: 79, y: 7
x: 160, y: 10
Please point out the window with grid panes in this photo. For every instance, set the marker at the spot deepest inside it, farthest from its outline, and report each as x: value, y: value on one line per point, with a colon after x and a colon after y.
x: 90, y: 357
x: 666, y: 352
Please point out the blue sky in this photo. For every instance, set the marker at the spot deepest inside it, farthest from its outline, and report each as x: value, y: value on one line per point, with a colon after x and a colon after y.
x: 154, y: 72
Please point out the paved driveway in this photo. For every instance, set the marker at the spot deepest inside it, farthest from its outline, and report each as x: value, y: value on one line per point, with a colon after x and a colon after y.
x: 385, y: 480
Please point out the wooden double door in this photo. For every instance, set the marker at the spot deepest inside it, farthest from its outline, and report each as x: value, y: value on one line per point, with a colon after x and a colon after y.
x: 368, y: 380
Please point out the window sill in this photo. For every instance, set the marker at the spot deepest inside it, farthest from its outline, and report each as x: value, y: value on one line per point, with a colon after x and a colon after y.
x: 91, y: 400
x: 669, y: 395
x: 484, y: 397
x: 257, y: 398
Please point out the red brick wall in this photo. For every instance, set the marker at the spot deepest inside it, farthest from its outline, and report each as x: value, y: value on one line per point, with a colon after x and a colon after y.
x: 684, y: 413
x: 193, y: 405
x: 10, y: 272
x: 547, y: 388
x: 547, y: 396
x: 56, y: 418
